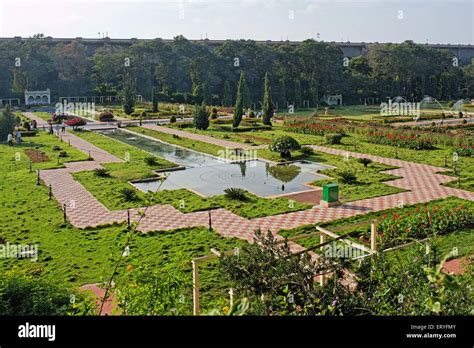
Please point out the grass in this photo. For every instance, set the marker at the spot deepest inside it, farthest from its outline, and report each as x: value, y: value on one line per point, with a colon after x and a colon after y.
x: 370, y: 180
x: 200, y: 146
x: 44, y: 115
x: 76, y: 257
x: 340, y: 223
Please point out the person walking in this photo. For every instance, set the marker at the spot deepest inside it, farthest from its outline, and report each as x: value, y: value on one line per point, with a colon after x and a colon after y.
x: 18, y: 137
x: 10, y: 139
x: 63, y: 126
x: 57, y: 129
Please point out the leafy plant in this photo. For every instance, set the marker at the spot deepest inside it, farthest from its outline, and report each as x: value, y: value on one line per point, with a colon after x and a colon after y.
x: 235, y: 193
x: 173, y: 119
x: 101, y: 172
x: 128, y: 194
x: 151, y: 160
x: 347, y: 177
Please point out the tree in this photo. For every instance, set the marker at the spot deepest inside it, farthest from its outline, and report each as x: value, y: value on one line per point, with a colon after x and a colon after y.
x: 227, y: 99
x: 267, y: 102
x: 239, y: 107
x: 297, y: 98
x: 284, y: 145
x: 201, y: 117
x: 8, y: 121
x: 128, y: 93
x: 281, y: 94
x: 154, y: 100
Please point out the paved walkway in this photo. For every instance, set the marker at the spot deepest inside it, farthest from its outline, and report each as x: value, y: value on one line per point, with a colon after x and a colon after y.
x: 202, y: 138
x: 83, y: 210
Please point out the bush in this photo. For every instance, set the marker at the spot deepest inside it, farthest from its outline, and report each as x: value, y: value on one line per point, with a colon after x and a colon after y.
x: 56, y: 148
x: 151, y: 160
x: 306, y: 150
x: 173, y: 119
x: 27, y: 125
x: 76, y: 122
x: 284, y: 145
x: 364, y: 161
x: 251, y: 114
x: 201, y: 117
x: 235, y: 193
x: 101, y: 172
x: 106, y: 116
x: 214, y: 115
x: 8, y: 120
x: 128, y: 194
x: 63, y: 154
x: 143, y: 114
x: 333, y: 139
x: 347, y: 177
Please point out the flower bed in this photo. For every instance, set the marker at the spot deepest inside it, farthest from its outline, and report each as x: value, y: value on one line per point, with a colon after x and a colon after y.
x: 409, y: 141
x: 465, y: 150
x: 422, y: 223
x: 312, y: 127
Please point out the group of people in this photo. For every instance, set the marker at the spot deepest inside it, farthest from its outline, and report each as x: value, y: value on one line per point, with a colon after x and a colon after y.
x: 17, y: 136
x: 58, y: 128
x: 18, y: 133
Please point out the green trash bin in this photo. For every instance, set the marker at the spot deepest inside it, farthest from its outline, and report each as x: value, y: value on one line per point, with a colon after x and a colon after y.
x: 331, y: 193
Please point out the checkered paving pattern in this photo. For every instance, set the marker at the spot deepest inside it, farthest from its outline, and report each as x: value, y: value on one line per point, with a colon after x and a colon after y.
x: 83, y: 210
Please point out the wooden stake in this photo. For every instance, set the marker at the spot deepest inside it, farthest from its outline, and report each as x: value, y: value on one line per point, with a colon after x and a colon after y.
x: 196, y: 307
x: 322, y: 277
x: 373, y: 237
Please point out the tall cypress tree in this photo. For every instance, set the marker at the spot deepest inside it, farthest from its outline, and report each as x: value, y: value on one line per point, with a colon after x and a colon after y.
x: 267, y: 102
x: 247, y: 101
x: 128, y: 93
x: 239, y: 102
x: 154, y: 99
x: 281, y: 94
x: 227, y: 98
x: 297, y: 93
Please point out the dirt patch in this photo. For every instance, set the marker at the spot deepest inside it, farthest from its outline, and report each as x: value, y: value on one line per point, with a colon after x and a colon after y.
x: 458, y: 266
x: 36, y: 156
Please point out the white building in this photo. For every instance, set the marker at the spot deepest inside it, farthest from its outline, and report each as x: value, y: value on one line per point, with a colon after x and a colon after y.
x: 38, y: 97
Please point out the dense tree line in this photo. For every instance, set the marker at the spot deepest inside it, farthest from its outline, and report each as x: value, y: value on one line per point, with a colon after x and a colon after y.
x: 185, y: 71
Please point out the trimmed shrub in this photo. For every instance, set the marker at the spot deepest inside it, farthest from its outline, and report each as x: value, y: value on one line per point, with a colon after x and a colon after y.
x: 76, y: 122
x: 306, y: 150
x: 364, y: 161
x: 284, y: 145
x: 173, y: 119
x: 106, y: 116
x: 333, y: 139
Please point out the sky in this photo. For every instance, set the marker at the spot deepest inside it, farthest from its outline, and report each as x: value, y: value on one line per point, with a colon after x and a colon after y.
x: 432, y: 21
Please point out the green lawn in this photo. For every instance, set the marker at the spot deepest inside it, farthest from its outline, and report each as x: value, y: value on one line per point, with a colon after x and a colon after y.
x: 76, y: 257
